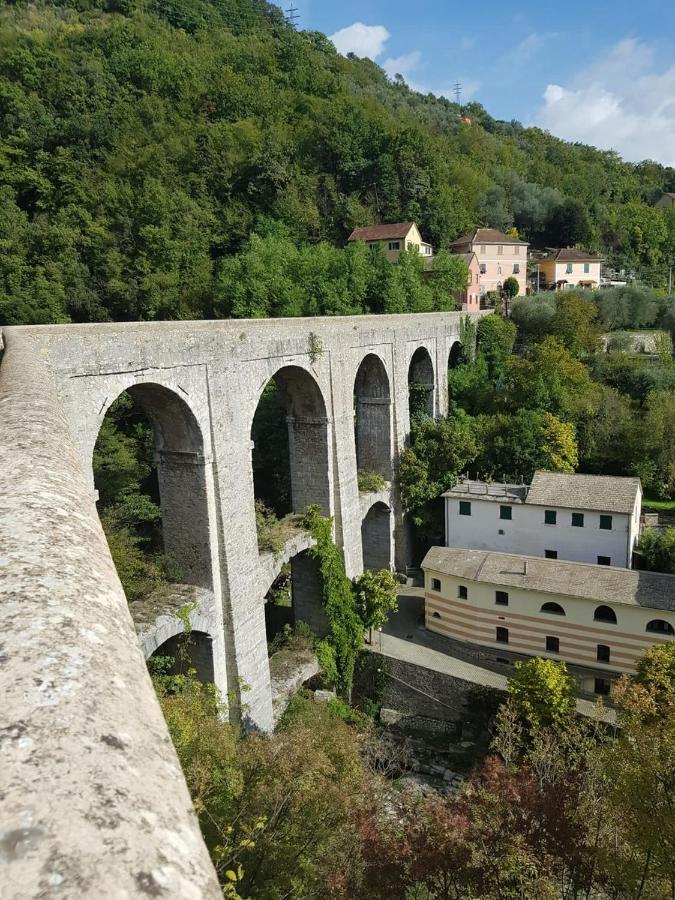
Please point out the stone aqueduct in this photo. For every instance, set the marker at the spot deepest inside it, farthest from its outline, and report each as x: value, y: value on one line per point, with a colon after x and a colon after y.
x: 94, y: 801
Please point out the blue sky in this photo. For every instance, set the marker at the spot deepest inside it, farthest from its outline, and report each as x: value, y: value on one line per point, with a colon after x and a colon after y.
x: 596, y: 71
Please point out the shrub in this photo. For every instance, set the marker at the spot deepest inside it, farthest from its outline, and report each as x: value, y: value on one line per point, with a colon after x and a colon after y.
x: 370, y: 482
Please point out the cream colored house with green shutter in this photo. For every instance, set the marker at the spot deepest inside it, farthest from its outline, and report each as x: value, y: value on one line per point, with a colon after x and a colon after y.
x: 569, y: 268
x: 393, y: 238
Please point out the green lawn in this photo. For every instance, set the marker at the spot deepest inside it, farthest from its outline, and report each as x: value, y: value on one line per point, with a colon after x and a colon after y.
x: 658, y: 505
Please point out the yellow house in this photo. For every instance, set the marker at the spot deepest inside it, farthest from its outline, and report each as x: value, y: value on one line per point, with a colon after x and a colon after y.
x: 499, y: 257
x: 598, y: 619
x: 569, y: 268
x: 394, y: 238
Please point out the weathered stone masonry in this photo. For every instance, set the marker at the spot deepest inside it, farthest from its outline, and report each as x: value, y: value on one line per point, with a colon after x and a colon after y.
x: 89, y: 758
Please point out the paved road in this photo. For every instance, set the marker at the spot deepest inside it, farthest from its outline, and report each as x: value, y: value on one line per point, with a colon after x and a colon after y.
x: 405, y: 637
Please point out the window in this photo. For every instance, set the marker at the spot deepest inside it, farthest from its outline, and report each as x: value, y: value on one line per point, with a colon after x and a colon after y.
x: 553, y: 608
x: 500, y: 250
x: 603, y: 653
x: 602, y: 686
x: 372, y: 246
x: 550, y: 554
x: 435, y: 615
x: 501, y: 598
x: 408, y: 245
x: 505, y: 512
x: 552, y: 645
x: 502, y: 635
x: 550, y: 516
x: 606, y: 523
x: 483, y: 268
x: 394, y: 245
x: 516, y: 268
x: 465, y: 507
x: 435, y: 584
x: 587, y: 268
x: 659, y: 626
x: 604, y: 560
x: 516, y: 250
x: 578, y: 520
x: 477, y: 277
x: 463, y: 592
x: 499, y: 269
x: 604, y: 614
x: 482, y: 248
x: 569, y: 268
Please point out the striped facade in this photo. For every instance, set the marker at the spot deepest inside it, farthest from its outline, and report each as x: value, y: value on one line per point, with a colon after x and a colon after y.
x: 506, y: 620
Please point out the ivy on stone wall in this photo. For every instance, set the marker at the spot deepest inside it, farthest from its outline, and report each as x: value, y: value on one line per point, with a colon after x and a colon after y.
x: 346, y: 628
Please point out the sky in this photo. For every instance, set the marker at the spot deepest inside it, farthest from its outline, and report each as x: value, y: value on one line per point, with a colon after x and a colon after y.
x: 596, y: 71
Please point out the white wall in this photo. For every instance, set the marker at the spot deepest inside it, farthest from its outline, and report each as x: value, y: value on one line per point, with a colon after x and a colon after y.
x: 526, y: 532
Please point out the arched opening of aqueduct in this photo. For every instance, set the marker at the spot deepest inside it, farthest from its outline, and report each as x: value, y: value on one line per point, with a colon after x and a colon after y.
x: 421, y: 385
x: 179, y: 477
x: 377, y: 538
x: 372, y: 417
x: 193, y: 651
x: 290, y: 439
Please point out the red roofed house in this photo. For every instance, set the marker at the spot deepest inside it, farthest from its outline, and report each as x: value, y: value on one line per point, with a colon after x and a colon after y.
x: 396, y: 237
x: 569, y: 268
x: 499, y: 257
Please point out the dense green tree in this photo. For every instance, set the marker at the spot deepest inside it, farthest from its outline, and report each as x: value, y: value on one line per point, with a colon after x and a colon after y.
x: 541, y: 691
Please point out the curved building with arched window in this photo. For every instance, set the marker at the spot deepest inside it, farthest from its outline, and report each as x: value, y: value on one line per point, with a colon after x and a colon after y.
x: 599, y: 620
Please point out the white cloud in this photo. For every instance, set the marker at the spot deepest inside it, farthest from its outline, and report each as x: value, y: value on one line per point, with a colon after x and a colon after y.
x: 525, y: 50
x: 402, y: 65
x: 363, y: 40
x: 625, y: 101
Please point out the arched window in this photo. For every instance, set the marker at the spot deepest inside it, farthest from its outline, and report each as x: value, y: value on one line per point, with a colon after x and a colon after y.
x: 604, y: 614
x: 435, y: 615
x: 660, y: 626
x: 553, y: 608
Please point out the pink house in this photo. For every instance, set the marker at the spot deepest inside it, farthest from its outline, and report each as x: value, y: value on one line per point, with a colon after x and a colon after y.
x: 469, y: 299
x: 500, y: 256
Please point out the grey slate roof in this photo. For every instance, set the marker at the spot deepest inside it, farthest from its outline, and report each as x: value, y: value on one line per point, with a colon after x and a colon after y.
x: 602, y: 493
x: 486, y: 236
x: 494, y: 491
x: 602, y: 584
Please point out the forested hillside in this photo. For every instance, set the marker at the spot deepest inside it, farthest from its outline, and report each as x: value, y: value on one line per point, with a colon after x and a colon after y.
x: 195, y: 159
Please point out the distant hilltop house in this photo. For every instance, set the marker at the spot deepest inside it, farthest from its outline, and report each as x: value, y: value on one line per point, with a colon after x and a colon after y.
x: 504, y: 607
x: 499, y: 257
x: 394, y: 238
x: 401, y: 236
x: 569, y: 268
x: 586, y: 518
x: 666, y: 201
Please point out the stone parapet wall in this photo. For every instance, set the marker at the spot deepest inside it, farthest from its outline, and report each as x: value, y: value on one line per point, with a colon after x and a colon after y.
x: 94, y: 803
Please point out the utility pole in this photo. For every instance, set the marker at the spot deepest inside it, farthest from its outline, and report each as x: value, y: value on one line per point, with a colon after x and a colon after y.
x: 670, y: 280
x: 292, y: 15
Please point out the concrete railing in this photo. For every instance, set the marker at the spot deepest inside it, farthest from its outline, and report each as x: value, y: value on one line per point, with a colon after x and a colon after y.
x: 93, y: 800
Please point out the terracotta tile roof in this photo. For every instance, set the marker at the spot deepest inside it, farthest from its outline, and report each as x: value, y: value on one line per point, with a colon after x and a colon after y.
x: 601, y: 584
x: 381, y: 232
x: 570, y: 254
x: 602, y: 493
x: 486, y: 236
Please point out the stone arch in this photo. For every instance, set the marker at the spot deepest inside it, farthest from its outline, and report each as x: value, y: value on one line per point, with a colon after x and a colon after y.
x: 372, y: 417
x: 180, y: 462
x: 376, y: 537
x: 455, y: 355
x: 194, y: 652
x: 421, y: 385
x: 307, y: 431
x: 303, y: 586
